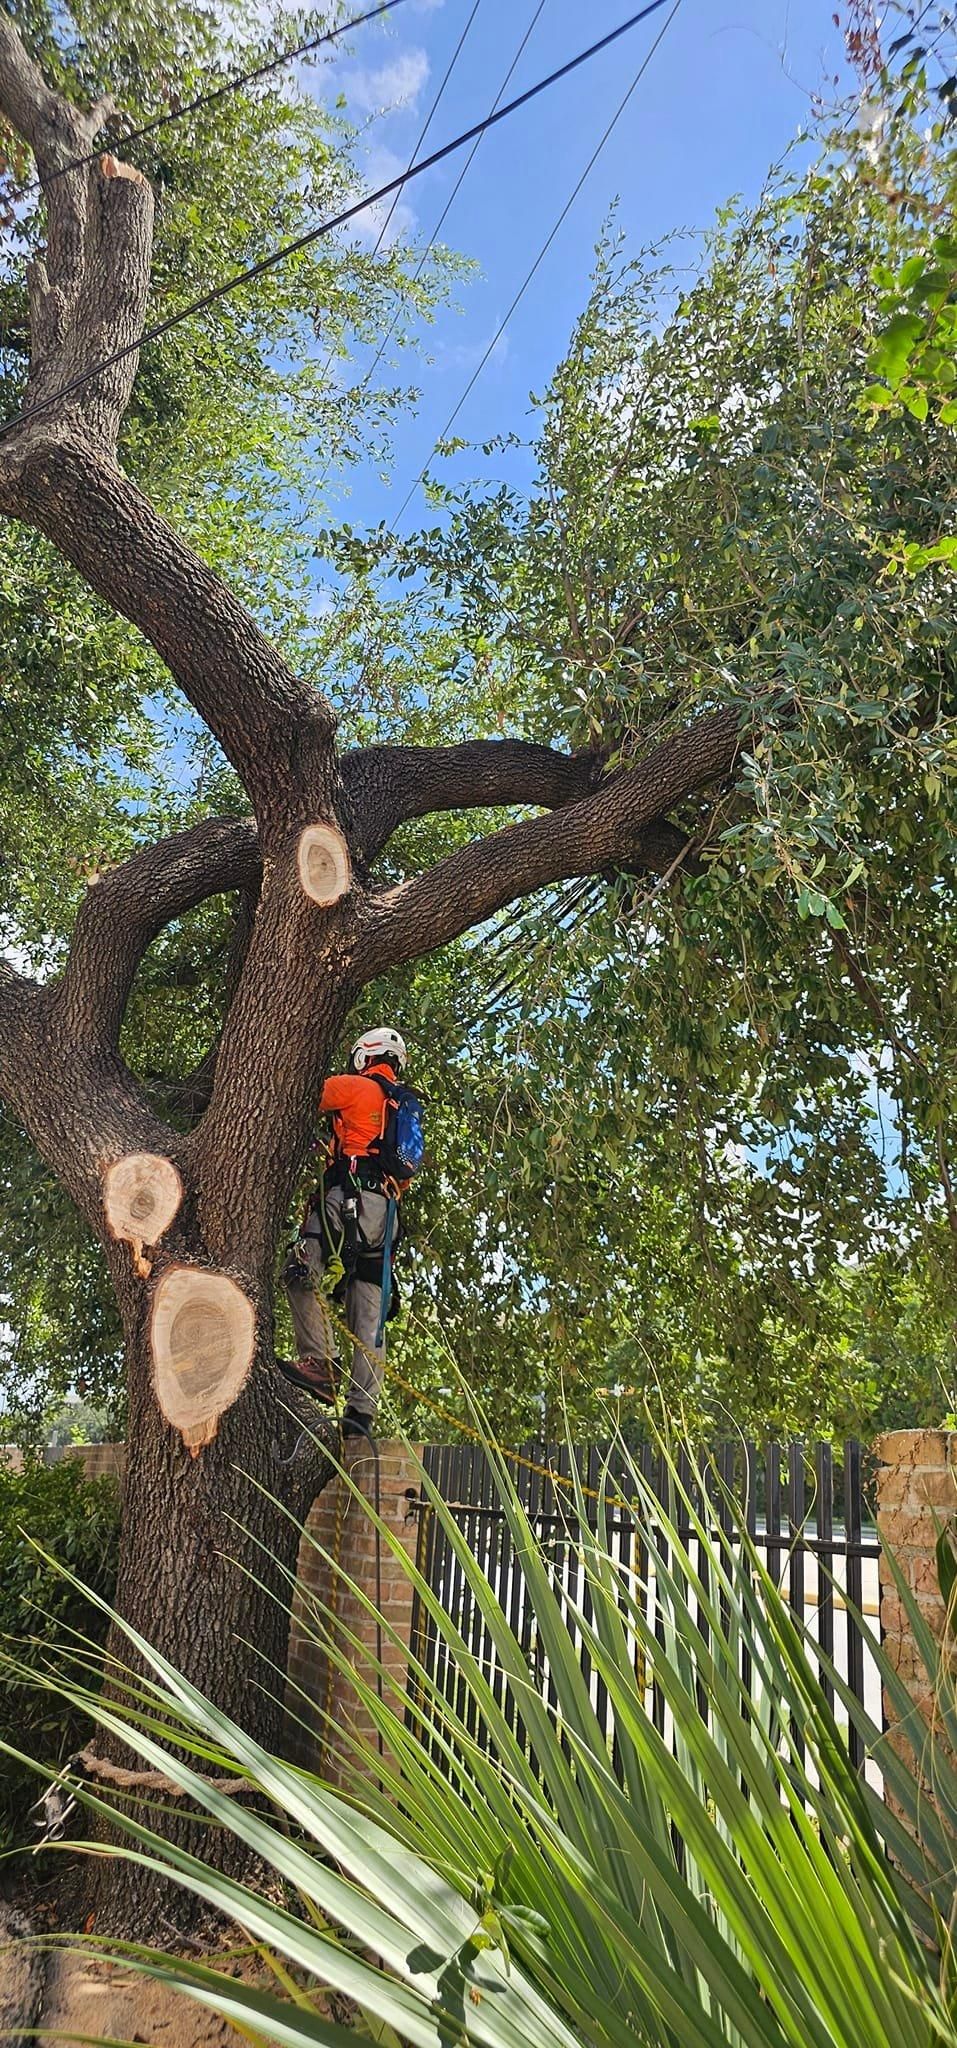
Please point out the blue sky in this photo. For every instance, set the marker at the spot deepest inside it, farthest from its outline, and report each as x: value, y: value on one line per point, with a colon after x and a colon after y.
x: 722, y: 97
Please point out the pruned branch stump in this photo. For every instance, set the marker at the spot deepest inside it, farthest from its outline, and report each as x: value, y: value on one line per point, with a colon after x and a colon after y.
x: 202, y: 1339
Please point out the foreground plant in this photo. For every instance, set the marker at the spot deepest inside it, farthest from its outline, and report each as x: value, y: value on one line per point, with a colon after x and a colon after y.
x: 727, y: 1881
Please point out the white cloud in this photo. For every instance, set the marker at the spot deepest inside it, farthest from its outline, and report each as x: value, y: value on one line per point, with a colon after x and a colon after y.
x: 381, y: 166
x: 396, y: 84
x: 466, y: 355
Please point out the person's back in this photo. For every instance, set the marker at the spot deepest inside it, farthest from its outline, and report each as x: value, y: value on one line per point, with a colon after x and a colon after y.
x: 359, y: 1109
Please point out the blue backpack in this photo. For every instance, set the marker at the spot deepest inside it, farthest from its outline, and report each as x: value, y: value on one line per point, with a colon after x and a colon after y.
x: 400, y: 1151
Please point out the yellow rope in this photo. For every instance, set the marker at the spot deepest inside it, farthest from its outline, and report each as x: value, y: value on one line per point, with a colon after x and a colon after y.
x: 612, y: 1500
x: 477, y: 1436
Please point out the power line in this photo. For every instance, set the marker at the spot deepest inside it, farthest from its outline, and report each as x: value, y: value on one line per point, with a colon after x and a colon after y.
x: 436, y: 231
x: 219, y: 92
x: 380, y: 238
x: 433, y: 110
x: 326, y: 227
x: 453, y: 195
x: 543, y: 251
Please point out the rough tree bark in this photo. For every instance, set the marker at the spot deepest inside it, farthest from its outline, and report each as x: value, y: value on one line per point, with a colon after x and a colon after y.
x: 314, y: 929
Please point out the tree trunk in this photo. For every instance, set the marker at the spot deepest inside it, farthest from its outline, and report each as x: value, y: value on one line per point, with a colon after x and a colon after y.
x: 203, y: 1568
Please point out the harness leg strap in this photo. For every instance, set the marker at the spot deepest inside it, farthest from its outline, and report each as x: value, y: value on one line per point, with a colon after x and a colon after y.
x: 386, y: 1272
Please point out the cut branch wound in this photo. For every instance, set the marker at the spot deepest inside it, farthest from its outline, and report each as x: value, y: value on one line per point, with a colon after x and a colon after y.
x: 202, y: 1339
x: 141, y: 1195
x: 324, y: 867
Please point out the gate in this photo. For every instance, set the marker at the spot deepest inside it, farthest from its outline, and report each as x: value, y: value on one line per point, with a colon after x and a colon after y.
x: 809, y: 1513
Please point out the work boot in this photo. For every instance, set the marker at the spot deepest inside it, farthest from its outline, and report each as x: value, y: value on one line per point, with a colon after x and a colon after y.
x: 356, y: 1423
x: 317, y: 1376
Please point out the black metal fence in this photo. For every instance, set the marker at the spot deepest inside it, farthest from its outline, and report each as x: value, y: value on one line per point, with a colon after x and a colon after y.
x: 808, y: 1509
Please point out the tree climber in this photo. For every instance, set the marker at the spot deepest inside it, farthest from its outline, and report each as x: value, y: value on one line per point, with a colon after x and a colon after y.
x: 351, y: 1228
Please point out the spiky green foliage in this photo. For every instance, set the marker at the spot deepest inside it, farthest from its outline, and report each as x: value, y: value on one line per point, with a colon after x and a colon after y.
x: 79, y: 1518
x: 726, y: 1882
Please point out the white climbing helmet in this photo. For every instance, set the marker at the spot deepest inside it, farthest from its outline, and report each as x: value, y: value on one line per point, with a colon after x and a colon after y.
x: 381, y: 1044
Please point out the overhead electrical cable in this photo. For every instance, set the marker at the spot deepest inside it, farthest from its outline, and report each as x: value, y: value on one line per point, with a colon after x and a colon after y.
x: 210, y: 97
x: 436, y: 231
x: 453, y: 195
x: 383, y: 230
x: 430, y: 116
x: 326, y: 227
x: 542, y: 253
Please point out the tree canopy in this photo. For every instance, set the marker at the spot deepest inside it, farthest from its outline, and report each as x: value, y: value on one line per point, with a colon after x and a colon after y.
x: 695, y: 1132
x: 235, y: 431
x: 723, y: 1109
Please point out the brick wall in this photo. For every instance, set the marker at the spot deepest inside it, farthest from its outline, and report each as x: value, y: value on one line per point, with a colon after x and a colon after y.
x: 917, y: 1480
x: 94, y: 1458
x: 310, y: 1675
x: 326, y: 1715
x: 97, y: 1459
x: 916, y: 1483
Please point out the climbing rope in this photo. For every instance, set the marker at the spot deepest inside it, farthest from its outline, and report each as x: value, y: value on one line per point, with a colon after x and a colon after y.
x: 477, y: 1436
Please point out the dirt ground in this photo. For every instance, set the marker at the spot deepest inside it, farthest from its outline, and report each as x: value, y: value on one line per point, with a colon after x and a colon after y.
x: 101, y: 1998
x: 78, y: 1998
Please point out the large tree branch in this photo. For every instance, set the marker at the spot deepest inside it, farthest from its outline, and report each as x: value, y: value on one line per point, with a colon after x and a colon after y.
x: 23, y: 1006
x: 58, y: 470
x: 579, y: 839
x: 276, y: 731
x: 386, y: 785
x: 124, y: 910
x: 81, y: 1128
x: 88, y: 294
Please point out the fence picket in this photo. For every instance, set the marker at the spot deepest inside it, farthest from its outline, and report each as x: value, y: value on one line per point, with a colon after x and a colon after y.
x: 826, y: 1552
x: 754, y: 1477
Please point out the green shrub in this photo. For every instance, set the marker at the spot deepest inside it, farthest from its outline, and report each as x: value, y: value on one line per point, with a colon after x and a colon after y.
x: 77, y: 1520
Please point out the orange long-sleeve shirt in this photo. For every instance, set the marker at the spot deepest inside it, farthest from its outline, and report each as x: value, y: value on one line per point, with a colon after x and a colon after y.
x: 358, y: 1108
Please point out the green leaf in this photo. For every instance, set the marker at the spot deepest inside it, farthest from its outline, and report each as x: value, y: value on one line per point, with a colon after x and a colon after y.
x: 946, y: 1557
x: 896, y: 346
x: 914, y: 400
x: 677, y: 1899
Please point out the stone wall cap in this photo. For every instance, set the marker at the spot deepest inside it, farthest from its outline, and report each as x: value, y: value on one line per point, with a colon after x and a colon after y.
x: 916, y: 1447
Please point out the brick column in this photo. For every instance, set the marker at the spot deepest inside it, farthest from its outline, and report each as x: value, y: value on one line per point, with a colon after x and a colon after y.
x: 323, y: 1689
x: 916, y: 1481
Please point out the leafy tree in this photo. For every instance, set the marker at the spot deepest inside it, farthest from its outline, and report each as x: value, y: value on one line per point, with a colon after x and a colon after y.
x: 682, y: 657
x: 723, y: 515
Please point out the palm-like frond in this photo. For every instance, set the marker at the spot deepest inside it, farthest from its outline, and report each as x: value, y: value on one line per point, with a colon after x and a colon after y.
x: 726, y: 1880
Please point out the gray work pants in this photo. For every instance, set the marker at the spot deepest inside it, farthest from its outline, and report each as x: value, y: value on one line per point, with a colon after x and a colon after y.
x: 311, y: 1321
